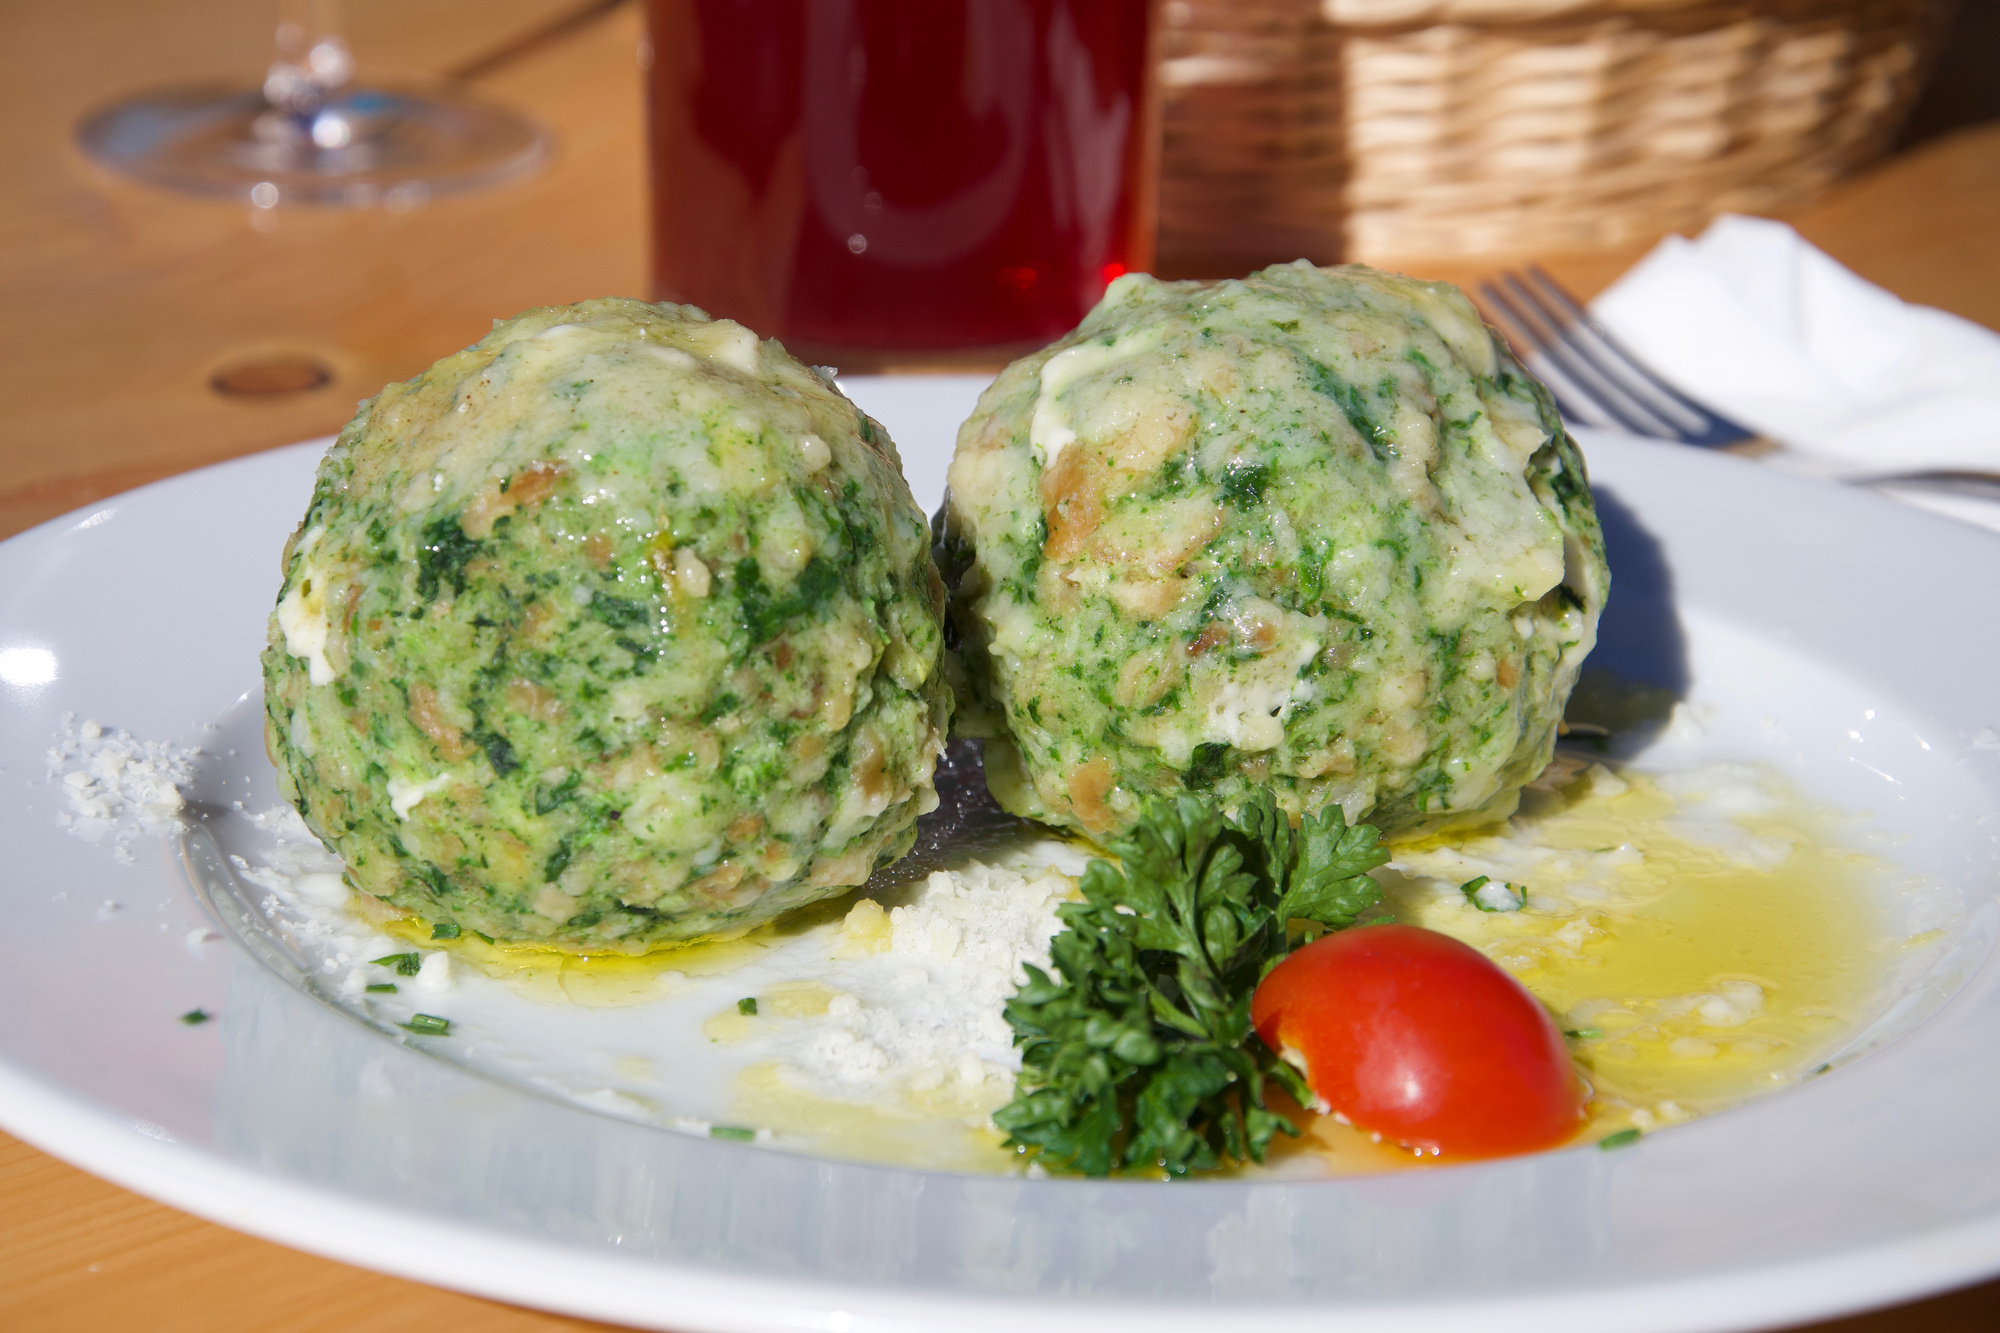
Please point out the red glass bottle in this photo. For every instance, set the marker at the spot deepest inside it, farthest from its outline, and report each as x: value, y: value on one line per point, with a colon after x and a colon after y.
x: 901, y: 182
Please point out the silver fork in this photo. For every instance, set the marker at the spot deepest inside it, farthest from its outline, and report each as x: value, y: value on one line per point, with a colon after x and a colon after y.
x: 1596, y: 382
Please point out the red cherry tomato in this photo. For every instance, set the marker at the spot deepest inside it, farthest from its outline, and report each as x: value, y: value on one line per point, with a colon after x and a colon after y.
x: 1424, y: 1040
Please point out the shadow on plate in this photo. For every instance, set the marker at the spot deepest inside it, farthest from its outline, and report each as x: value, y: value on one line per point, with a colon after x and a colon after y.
x: 1639, y: 669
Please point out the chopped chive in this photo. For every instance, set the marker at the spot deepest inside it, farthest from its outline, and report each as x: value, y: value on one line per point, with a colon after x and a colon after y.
x: 429, y: 1025
x: 445, y: 930
x: 383, y: 988
x: 1478, y: 893
x: 195, y: 1016
x: 484, y: 936
x: 406, y: 964
x: 747, y: 1005
x: 1621, y: 1139
x: 735, y: 1132
x: 1585, y: 1034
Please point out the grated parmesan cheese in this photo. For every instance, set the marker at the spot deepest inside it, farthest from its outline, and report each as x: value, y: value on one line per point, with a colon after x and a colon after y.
x: 117, y: 786
x: 920, y: 1007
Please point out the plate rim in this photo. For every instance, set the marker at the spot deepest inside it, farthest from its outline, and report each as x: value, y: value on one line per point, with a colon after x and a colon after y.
x: 92, y: 1137
x: 190, y: 1178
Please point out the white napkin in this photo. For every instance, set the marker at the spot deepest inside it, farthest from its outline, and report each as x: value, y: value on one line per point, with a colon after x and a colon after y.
x: 1753, y: 322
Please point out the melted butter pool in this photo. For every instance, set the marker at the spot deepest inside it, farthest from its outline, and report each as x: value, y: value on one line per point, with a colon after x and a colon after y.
x: 614, y: 980
x: 945, y: 1128
x: 1699, y: 935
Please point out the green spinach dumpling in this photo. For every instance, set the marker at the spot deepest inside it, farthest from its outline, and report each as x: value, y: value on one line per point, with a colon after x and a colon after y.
x: 618, y: 627
x: 1314, y: 531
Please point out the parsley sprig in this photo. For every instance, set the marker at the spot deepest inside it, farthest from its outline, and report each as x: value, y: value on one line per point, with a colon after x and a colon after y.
x: 1141, y: 1055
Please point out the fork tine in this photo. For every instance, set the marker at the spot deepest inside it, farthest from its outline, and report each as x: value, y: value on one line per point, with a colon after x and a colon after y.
x: 1534, y: 342
x: 1631, y: 409
x: 1589, y: 398
x: 1530, y: 344
x: 1685, y: 420
x: 1711, y: 428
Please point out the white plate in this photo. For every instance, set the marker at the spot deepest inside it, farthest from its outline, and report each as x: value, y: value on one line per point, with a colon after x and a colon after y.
x: 1849, y: 641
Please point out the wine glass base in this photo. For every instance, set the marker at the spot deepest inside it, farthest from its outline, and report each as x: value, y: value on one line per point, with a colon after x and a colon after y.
x: 366, y: 147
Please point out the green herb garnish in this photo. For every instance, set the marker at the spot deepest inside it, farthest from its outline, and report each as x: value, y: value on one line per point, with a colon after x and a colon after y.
x: 195, y: 1016
x: 1142, y: 1055
x: 429, y: 1025
x: 1480, y: 892
x: 1618, y: 1140
x: 406, y: 964
x: 1584, y: 1034
x: 747, y: 1005
x: 736, y: 1132
x: 382, y: 988
x: 445, y: 930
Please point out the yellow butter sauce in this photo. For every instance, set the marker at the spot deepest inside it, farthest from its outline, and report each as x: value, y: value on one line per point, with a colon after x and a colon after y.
x: 948, y: 1128
x: 1696, y: 967
x: 1693, y: 975
x: 611, y: 980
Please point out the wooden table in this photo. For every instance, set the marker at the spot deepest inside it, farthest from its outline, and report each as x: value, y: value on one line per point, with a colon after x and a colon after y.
x: 123, y: 303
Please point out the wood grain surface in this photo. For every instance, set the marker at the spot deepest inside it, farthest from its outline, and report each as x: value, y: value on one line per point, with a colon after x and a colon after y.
x: 122, y: 303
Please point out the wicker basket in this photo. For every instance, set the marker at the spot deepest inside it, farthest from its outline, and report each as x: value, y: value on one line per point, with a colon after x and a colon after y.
x: 1357, y: 128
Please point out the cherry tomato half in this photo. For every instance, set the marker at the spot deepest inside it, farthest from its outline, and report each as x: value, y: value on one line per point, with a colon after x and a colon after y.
x: 1424, y: 1040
